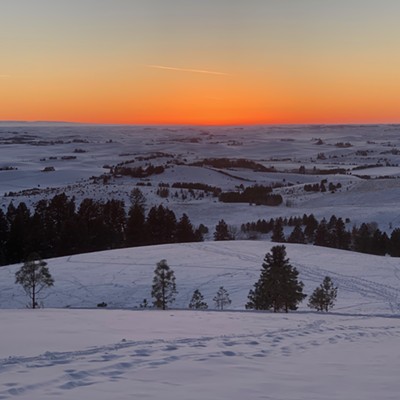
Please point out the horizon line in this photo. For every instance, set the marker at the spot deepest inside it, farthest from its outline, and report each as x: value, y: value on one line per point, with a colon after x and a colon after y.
x: 197, y: 124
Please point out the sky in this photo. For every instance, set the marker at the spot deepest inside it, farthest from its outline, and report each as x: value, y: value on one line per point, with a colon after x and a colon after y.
x: 206, y: 62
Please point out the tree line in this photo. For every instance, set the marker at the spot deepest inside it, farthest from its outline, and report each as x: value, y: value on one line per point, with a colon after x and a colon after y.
x: 367, y: 238
x: 57, y: 227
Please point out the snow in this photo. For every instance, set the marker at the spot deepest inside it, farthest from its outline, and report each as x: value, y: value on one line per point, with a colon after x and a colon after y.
x: 103, y: 354
x: 120, y: 352
x: 285, y: 147
x: 70, y: 349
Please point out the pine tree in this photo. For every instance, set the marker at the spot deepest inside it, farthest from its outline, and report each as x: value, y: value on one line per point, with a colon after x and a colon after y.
x: 185, y: 231
x: 222, y: 231
x: 340, y: 236
x: 322, y: 236
x: 394, y: 243
x: 197, y: 302
x: 297, y: 235
x: 135, y: 226
x: 221, y: 299
x: 34, y: 277
x: 323, y: 298
x: 277, y: 232
x: 278, y: 287
x: 164, y: 287
x: 311, y: 224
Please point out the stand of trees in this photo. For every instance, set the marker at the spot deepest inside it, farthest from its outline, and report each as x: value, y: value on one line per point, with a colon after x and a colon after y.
x: 367, y: 238
x: 57, y: 227
x: 257, y: 194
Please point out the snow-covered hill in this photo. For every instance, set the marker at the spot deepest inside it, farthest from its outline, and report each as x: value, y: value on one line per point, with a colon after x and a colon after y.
x: 102, y: 354
x: 122, y: 278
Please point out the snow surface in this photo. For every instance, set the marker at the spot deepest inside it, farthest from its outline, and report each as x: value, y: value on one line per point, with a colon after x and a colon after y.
x: 72, y: 350
x: 350, y: 353
x: 32, y: 147
x: 103, y: 354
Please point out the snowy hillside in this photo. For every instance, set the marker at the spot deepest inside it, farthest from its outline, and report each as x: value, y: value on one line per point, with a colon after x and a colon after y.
x: 102, y: 354
x: 123, y: 278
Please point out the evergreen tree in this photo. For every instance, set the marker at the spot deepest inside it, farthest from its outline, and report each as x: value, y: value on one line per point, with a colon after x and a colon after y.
x: 311, y: 224
x: 18, y: 245
x: 114, y: 221
x: 277, y: 232
x: 135, y: 226
x: 278, y: 287
x: 185, y: 231
x: 221, y: 299
x: 164, y: 287
x: 222, y: 231
x: 341, y: 238
x: 322, y: 236
x: 161, y: 225
x: 323, y: 298
x: 297, y: 235
x: 362, y: 238
x: 34, y: 277
x: 197, y: 302
x: 394, y: 243
x: 3, y: 237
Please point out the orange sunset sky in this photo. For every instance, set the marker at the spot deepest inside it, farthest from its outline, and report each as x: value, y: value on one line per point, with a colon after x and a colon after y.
x: 200, y: 62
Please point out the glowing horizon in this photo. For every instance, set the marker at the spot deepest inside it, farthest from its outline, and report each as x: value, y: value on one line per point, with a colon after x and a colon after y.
x: 214, y: 62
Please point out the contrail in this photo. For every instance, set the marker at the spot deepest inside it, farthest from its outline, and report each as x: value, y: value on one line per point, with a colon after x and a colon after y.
x: 4, y: 76
x: 197, y: 71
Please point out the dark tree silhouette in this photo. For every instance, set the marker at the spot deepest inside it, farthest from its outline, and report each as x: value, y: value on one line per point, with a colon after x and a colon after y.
x: 278, y: 287
x: 277, y: 232
x: 164, y: 287
x: 323, y: 298
x: 34, y: 277
x: 197, y: 301
x: 222, y: 231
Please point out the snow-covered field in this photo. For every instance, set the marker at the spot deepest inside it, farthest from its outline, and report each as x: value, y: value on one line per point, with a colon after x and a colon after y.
x: 79, y: 152
x: 70, y: 349
x: 351, y: 353
x: 184, y: 355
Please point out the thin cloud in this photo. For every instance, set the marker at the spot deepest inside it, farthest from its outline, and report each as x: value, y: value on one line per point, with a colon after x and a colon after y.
x: 5, y: 76
x: 196, y: 71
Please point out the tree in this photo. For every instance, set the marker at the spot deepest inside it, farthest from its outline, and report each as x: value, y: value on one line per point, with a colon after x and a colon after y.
x: 137, y: 199
x: 323, y: 298
x: 135, y: 226
x: 277, y: 232
x: 34, y: 277
x: 297, y: 235
x: 164, y: 287
x: 222, y: 231
x: 322, y: 236
x: 278, y: 287
x: 197, y: 302
x: 185, y: 231
x: 222, y: 299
